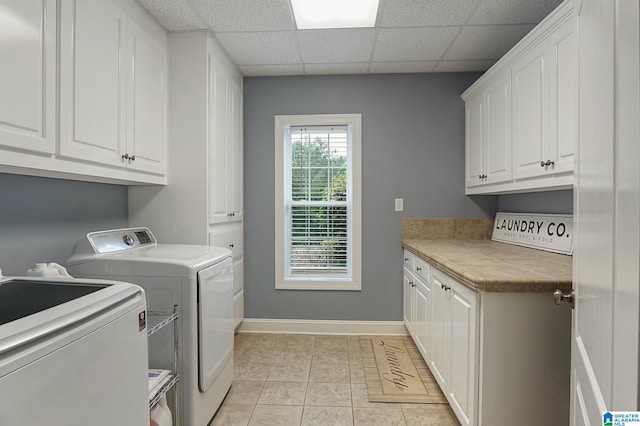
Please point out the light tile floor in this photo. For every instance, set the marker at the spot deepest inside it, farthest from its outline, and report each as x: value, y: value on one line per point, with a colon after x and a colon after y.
x: 311, y: 380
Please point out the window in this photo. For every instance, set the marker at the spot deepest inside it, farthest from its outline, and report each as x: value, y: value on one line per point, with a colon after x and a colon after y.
x: 317, y: 198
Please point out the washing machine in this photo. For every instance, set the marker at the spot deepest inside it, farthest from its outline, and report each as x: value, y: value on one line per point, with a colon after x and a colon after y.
x: 198, y: 281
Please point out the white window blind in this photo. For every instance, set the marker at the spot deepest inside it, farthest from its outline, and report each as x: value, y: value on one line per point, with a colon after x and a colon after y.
x: 318, y: 202
x: 318, y: 196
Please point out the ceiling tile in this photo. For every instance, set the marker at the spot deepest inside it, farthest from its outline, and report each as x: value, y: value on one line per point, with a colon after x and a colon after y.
x: 360, y: 68
x: 463, y: 66
x: 258, y: 70
x: 513, y: 11
x: 336, y: 46
x: 486, y: 42
x: 413, y: 44
x: 402, y: 67
x: 422, y: 13
x: 246, y: 15
x: 174, y: 15
x: 261, y: 48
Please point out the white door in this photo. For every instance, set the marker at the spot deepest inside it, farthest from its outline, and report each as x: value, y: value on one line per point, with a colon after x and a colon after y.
x: 474, y: 139
x: 235, y: 152
x: 146, y: 97
x: 28, y: 74
x: 439, y: 329
x: 219, y: 101
x: 604, y: 370
x: 462, y: 390
x: 530, y: 77
x: 497, y: 123
x: 92, y: 80
x: 215, y: 321
x: 563, y: 94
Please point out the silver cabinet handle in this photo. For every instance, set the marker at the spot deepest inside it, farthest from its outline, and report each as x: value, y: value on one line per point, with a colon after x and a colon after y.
x: 570, y: 298
x: 128, y: 157
x: 547, y: 163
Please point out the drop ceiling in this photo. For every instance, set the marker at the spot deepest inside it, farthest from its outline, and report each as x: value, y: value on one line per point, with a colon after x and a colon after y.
x: 410, y: 35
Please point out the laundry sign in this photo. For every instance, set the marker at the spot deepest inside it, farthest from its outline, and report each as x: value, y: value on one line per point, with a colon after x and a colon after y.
x: 548, y: 232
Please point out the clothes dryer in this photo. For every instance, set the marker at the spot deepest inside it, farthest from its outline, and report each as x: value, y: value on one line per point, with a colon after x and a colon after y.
x: 196, y: 279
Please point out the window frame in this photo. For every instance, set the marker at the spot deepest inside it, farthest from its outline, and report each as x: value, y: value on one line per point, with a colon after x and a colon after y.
x: 282, y: 281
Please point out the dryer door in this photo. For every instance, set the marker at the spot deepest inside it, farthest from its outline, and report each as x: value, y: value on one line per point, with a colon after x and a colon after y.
x: 215, y: 321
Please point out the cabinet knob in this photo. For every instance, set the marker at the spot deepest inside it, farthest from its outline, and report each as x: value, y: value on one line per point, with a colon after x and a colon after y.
x: 133, y: 158
x: 559, y: 297
x: 125, y: 157
x: 128, y: 157
x: 418, y: 268
x: 411, y: 284
x: 481, y: 177
x: 542, y: 164
x: 406, y: 259
x: 231, y: 245
x: 547, y: 163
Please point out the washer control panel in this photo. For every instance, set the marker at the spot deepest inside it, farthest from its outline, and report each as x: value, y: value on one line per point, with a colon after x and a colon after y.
x: 120, y: 239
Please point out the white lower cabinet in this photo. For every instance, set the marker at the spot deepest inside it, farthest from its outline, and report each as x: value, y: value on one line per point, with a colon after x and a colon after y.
x: 453, y: 336
x: 417, y: 301
x: 500, y: 358
x: 230, y: 236
x: 408, y: 291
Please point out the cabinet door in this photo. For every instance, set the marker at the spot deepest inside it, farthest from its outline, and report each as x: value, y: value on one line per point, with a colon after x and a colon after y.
x: 28, y: 75
x: 423, y: 316
x: 497, y: 122
x: 92, y: 81
x: 529, y: 109
x: 235, y: 152
x: 218, y: 143
x: 474, y: 140
x: 407, y: 287
x: 146, y: 96
x: 563, y: 107
x: 461, y: 387
x: 439, y: 329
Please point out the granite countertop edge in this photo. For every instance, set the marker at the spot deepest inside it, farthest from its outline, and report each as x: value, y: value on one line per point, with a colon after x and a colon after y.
x: 515, y: 277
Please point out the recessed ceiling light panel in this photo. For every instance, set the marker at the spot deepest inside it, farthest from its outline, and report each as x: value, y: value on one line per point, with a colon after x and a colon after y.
x: 314, y: 14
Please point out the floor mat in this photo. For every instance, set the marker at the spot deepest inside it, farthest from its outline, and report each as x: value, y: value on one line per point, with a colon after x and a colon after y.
x: 395, y: 372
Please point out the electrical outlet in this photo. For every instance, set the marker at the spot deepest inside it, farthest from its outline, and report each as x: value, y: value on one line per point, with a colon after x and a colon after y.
x: 399, y: 204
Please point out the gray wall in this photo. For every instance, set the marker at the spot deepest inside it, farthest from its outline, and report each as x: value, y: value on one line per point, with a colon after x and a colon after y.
x: 412, y: 148
x: 41, y: 219
x: 559, y: 202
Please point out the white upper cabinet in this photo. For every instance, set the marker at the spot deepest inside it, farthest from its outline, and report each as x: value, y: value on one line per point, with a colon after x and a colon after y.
x: 497, y: 143
x: 488, y: 134
x: 225, y: 111
x: 530, y: 82
x: 563, y: 104
x: 474, y: 140
x: 28, y: 75
x: 92, y: 81
x: 522, y: 114
x: 146, y: 96
x: 112, y: 88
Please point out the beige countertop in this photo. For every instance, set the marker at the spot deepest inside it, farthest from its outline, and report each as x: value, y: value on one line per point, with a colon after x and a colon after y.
x: 496, y: 267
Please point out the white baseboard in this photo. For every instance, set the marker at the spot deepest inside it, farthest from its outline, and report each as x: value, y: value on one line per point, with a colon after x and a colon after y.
x: 291, y: 326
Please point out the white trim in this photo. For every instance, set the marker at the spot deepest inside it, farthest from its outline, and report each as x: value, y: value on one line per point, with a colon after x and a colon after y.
x: 293, y: 326
x: 355, y: 281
